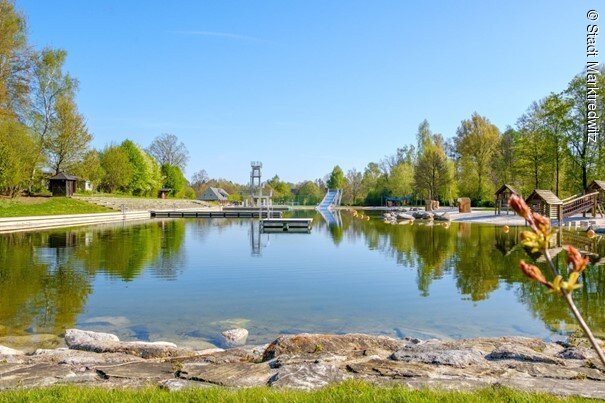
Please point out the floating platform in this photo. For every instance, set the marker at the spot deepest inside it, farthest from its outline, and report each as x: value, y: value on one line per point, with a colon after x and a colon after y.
x: 248, y: 213
x: 286, y: 224
x: 244, y: 208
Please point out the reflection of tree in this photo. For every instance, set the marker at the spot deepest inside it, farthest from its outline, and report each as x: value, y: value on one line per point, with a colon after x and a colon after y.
x: 481, y: 258
x: 171, y: 258
x: 44, y: 295
x: 45, y: 277
x: 590, y: 299
x: 122, y: 252
x: 434, y: 245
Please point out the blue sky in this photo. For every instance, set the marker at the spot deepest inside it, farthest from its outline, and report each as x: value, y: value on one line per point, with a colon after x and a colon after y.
x: 304, y: 85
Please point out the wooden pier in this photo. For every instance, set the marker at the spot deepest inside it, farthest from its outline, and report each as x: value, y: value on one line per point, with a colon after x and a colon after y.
x: 286, y: 224
x: 244, y: 208
x: 249, y: 213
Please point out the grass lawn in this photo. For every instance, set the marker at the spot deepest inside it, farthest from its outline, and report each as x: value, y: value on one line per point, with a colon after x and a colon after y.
x: 32, y: 206
x: 346, y: 392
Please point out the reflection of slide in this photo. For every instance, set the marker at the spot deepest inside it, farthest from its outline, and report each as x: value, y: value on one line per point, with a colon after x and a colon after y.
x: 332, y: 217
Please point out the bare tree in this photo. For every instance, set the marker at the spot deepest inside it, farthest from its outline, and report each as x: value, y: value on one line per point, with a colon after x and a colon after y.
x: 167, y: 149
x: 200, y: 177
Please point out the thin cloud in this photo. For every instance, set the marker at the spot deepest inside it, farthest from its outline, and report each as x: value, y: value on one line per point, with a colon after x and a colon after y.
x: 225, y: 35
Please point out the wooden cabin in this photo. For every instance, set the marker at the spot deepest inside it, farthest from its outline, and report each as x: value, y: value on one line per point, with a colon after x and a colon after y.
x: 164, y: 192
x: 546, y: 203
x: 598, y: 186
x: 502, y: 196
x: 62, y: 184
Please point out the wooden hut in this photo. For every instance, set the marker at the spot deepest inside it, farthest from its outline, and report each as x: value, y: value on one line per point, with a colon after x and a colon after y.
x: 62, y: 184
x: 546, y: 203
x: 502, y: 196
x: 164, y: 192
x: 598, y: 186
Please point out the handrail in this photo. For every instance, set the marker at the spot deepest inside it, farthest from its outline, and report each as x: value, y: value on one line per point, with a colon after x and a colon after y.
x: 578, y: 198
x: 572, y: 197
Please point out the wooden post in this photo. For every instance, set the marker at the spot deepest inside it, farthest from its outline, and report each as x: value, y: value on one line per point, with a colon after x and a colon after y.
x: 560, y: 214
x: 594, y: 206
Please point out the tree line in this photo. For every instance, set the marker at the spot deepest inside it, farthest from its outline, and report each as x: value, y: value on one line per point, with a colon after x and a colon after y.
x: 42, y: 132
x: 549, y: 147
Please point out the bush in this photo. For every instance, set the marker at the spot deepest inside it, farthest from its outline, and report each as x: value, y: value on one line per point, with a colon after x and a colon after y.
x: 189, y: 193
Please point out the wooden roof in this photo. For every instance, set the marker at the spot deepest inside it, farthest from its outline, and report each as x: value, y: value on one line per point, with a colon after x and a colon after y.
x: 509, y: 187
x: 546, y: 195
x: 63, y: 176
x: 600, y: 184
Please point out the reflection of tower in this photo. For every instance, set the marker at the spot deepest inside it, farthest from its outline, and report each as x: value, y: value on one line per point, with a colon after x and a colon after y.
x: 256, y: 234
x: 257, y: 199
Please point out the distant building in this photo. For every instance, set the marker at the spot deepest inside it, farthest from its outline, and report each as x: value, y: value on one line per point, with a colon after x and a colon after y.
x: 62, y: 184
x: 214, y: 194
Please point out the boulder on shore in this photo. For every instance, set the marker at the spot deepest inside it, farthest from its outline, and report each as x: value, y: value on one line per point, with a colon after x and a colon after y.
x: 235, y: 337
x: 443, y: 217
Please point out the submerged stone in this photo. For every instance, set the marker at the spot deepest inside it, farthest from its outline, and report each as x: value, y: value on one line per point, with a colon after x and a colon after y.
x: 235, y: 337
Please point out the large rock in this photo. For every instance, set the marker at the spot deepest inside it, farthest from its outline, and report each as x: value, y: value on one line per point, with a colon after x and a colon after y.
x: 10, y: 351
x: 235, y: 337
x: 80, y: 357
x: 460, y: 358
x: 319, y: 344
x: 39, y: 375
x: 521, y: 353
x: 109, y: 343
x: 443, y: 217
x: 404, y: 216
x: 422, y: 215
x: 76, y: 337
x: 232, y: 374
x: 308, y: 376
x: 138, y: 370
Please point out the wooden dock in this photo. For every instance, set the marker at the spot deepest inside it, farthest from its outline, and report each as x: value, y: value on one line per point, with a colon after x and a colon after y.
x: 249, y: 213
x: 243, y: 208
x: 286, y: 224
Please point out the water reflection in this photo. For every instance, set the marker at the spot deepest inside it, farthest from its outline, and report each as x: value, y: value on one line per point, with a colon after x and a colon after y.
x: 48, y: 279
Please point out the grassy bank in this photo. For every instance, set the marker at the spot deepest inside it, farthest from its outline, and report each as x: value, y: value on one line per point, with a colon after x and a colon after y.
x: 37, y: 206
x: 347, y: 392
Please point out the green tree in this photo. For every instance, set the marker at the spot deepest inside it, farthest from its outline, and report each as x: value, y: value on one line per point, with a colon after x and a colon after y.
x: 309, y: 193
x: 89, y: 168
x: 50, y: 84
x: 354, y: 186
x: 337, y: 179
x: 117, y: 168
x: 146, y: 178
x: 431, y: 172
x: 68, y: 139
x: 582, y: 148
x: 476, y: 143
x: 531, y: 150
x: 401, y: 180
x: 15, y: 62
x: 15, y: 156
x: 235, y: 198
x: 282, y: 191
x: 174, y: 179
x: 556, y: 122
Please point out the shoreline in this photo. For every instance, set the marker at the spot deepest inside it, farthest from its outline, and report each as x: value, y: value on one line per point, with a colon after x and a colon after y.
x: 311, y: 361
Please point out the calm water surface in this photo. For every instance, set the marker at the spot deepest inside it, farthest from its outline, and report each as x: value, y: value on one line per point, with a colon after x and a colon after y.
x: 186, y: 280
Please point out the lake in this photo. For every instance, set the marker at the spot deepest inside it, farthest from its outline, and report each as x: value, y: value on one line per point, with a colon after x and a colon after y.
x: 186, y: 280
